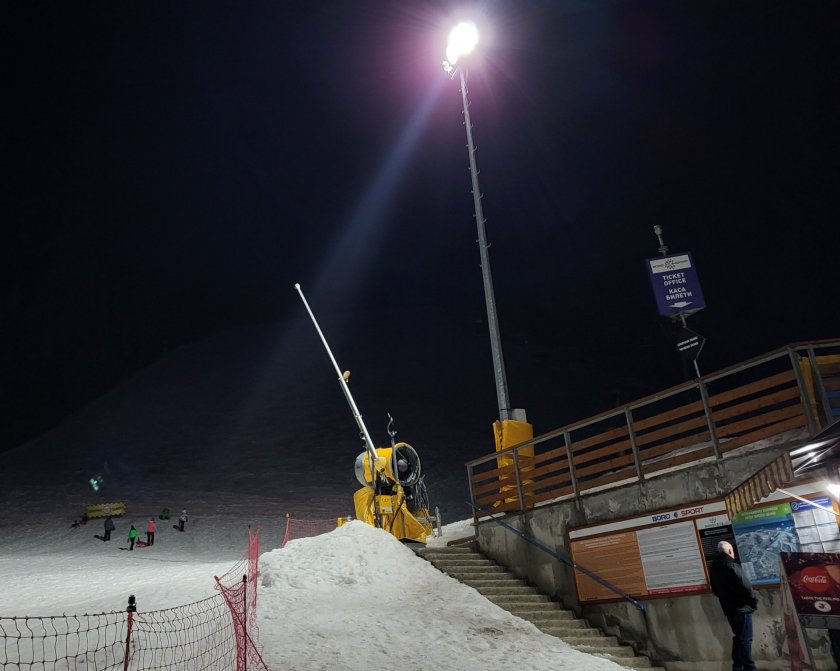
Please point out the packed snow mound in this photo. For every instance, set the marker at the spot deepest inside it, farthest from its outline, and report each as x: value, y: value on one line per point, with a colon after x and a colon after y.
x: 340, y: 558
x: 356, y: 598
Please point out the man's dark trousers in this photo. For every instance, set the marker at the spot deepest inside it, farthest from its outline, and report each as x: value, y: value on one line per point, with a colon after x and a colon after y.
x: 742, y: 636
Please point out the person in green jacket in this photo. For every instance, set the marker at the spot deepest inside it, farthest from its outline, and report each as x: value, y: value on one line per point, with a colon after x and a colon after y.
x: 132, y: 537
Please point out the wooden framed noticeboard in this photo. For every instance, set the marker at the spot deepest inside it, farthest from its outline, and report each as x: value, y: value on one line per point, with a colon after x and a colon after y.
x: 668, y: 552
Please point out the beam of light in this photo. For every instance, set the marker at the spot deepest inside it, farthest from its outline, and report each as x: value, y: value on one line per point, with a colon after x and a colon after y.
x: 462, y: 40
x: 355, y: 252
x: 348, y: 261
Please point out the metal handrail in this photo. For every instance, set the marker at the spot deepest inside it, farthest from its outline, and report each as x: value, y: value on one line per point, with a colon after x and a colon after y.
x: 568, y: 562
x: 667, y: 393
x: 626, y: 414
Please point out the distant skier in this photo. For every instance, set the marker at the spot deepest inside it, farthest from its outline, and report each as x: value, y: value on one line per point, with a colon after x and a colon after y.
x: 109, y: 527
x: 132, y: 537
x: 182, y: 519
x: 165, y: 514
x: 150, y: 532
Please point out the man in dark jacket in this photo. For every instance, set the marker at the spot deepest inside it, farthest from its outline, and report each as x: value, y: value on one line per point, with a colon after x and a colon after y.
x: 738, y: 601
x: 109, y: 527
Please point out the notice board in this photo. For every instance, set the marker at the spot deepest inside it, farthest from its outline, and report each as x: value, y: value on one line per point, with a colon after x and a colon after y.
x: 668, y: 552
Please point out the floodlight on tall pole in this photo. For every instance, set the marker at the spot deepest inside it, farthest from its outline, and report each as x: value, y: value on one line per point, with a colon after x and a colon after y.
x: 462, y: 40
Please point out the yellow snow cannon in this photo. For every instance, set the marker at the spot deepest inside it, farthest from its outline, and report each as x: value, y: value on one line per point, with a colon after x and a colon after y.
x: 393, y: 494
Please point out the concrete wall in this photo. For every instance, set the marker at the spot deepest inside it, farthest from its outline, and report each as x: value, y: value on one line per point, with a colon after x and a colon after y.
x: 685, y: 633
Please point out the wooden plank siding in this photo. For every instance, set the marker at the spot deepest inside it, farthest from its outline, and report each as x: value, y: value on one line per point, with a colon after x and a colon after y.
x: 740, y: 415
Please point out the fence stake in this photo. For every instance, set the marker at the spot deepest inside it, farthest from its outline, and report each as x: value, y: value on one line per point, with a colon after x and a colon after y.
x: 130, y: 610
x: 245, y: 622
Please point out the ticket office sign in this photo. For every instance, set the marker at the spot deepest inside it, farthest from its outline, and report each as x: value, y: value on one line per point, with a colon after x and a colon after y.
x: 675, y: 285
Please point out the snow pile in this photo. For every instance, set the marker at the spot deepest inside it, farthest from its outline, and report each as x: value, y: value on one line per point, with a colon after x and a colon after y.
x: 357, y: 599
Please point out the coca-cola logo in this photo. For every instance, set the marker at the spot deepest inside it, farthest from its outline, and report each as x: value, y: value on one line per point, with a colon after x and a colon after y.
x: 815, y: 579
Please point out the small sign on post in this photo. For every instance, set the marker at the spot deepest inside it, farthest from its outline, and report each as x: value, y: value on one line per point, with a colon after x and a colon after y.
x: 676, y: 285
x: 689, y: 344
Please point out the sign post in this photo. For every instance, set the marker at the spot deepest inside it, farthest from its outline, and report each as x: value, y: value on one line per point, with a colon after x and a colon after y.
x: 676, y: 288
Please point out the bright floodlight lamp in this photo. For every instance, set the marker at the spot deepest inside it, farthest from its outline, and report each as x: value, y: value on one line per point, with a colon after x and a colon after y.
x: 463, y: 39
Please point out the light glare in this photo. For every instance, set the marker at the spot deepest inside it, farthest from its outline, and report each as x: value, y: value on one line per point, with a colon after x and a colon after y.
x: 462, y: 40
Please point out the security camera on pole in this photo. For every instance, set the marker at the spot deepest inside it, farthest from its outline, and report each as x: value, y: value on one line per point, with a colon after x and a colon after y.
x: 678, y: 295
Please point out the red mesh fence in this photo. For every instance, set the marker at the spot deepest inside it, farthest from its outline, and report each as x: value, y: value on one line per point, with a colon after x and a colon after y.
x: 239, y: 590
x: 64, y: 642
x: 216, y: 634
x: 305, y: 528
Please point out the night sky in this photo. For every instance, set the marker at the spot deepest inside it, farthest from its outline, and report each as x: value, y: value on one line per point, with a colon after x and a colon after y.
x: 174, y: 168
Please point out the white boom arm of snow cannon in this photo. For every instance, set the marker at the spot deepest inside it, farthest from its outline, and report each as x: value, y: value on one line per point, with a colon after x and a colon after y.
x: 375, y: 465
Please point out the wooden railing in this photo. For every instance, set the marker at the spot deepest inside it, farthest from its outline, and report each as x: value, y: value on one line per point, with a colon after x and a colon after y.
x: 796, y: 387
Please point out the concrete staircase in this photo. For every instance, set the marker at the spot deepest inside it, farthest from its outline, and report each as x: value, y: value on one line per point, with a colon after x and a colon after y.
x: 467, y: 565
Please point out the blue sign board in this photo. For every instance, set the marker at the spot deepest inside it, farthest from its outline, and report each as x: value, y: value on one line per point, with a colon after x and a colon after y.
x: 675, y: 284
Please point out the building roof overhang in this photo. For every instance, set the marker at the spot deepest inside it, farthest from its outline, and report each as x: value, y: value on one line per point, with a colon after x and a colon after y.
x: 817, y: 456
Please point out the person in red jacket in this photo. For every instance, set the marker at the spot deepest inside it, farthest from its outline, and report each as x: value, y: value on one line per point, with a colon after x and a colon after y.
x: 150, y: 532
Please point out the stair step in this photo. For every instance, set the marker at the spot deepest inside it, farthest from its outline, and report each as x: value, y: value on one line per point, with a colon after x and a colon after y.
x: 519, y: 607
x: 536, y: 616
x: 508, y: 600
x: 512, y: 590
x: 453, y: 570
x: 461, y: 564
x: 447, y: 552
x: 480, y: 575
x: 567, y: 628
x: 596, y: 640
x: 617, y: 651
x: 495, y: 582
x: 637, y: 662
x: 462, y: 561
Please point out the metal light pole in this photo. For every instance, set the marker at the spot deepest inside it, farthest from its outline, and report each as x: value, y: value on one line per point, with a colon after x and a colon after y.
x: 489, y: 297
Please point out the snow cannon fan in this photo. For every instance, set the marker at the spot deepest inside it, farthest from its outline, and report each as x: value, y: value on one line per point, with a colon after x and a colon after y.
x: 402, y: 468
x: 402, y: 465
x: 393, y: 495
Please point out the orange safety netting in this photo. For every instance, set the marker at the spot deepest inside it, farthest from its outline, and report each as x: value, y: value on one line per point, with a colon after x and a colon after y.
x: 306, y: 528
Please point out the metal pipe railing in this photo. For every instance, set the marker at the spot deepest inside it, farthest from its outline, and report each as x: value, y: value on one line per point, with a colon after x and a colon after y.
x: 792, y: 353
